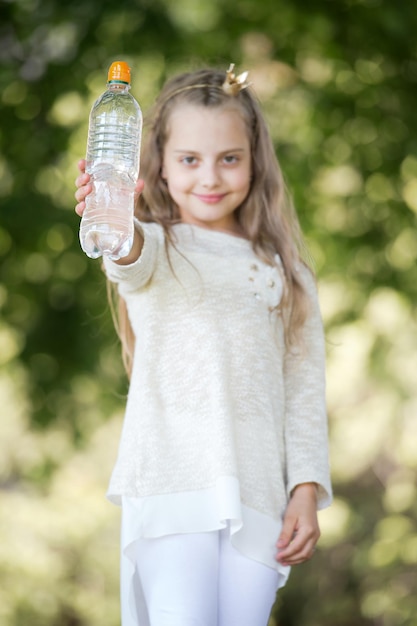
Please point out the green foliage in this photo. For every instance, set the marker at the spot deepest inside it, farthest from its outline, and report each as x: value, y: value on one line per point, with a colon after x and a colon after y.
x: 337, y: 80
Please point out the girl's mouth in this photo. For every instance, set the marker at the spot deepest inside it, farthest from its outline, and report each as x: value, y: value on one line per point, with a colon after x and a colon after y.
x: 211, y: 198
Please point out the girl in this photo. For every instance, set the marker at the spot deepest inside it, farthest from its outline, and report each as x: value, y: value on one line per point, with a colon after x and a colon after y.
x: 223, y: 458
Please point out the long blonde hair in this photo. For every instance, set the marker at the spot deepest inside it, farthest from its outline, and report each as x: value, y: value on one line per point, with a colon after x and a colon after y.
x: 266, y: 216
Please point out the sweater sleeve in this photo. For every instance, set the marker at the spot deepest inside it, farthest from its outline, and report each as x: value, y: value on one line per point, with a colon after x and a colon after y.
x: 134, y: 276
x: 306, y: 432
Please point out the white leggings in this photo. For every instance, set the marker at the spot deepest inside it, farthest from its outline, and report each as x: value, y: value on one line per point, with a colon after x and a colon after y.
x: 200, y: 579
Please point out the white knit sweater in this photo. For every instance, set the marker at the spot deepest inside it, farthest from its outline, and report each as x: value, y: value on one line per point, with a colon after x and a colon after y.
x: 222, y: 422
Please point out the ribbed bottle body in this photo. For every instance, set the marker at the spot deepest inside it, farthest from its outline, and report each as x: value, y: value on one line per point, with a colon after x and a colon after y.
x: 112, y: 160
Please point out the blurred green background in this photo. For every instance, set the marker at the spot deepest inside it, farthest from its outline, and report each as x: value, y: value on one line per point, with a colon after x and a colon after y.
x: 338, y: 84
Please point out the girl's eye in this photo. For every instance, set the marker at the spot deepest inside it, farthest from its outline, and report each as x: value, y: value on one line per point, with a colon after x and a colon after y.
x: 230, y: 158
x: 189, y: 160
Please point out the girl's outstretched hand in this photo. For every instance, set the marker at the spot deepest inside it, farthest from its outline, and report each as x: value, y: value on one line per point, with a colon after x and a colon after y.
x: 84, y: 187
x: 300, y: 530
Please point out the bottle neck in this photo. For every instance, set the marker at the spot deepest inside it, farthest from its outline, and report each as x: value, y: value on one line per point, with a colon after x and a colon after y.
x: 119, y: 87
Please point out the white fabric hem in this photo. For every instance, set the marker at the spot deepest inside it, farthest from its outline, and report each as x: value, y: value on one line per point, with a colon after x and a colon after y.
x: 253, y: 533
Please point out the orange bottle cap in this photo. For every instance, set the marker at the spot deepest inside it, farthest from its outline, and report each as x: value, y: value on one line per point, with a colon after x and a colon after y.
x: 119, y: 72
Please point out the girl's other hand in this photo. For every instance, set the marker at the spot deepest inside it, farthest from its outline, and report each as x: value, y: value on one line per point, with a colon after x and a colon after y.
x: 84, y: 187
x: 300, y: 530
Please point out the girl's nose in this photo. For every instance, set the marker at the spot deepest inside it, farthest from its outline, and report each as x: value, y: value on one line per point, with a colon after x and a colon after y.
x: 209, y: 176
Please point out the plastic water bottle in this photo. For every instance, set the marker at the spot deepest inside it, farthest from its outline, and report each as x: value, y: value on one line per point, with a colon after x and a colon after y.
x: 113, y: 153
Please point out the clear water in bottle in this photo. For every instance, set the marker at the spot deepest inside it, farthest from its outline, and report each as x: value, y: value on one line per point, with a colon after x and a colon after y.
x: 113, y: 153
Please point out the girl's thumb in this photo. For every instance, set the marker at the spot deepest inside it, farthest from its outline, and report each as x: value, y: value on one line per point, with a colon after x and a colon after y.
x: 287, y: 532
x: 283, y: 540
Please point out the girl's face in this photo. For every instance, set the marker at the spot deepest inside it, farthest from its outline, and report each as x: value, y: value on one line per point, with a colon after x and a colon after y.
x: 207, y: 165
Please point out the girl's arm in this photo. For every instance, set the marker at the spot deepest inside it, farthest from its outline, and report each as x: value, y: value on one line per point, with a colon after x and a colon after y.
x: 84, y: 187
x: 306, y: 437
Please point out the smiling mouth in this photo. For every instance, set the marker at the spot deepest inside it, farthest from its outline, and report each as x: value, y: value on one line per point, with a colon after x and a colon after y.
x: 212, y: 198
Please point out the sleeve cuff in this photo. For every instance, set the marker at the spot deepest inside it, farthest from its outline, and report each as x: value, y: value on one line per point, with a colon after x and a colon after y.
x: 138, y: 273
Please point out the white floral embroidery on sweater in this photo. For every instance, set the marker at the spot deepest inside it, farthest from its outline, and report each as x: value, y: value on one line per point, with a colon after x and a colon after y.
x: 267, y: 282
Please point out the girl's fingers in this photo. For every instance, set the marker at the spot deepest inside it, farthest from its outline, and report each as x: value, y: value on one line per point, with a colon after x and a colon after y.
x: 80, y: 196
x: 300, y: 549
x: 304, y: 553
x: 79, y: 209
x: 82, y: 179
x: 83, y: 191
x: 81, y: 165
x: 301, y: 557
x: 84, y: 187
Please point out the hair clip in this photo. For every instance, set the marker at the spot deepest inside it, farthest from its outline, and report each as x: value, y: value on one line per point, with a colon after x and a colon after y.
x: 234, y: 84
